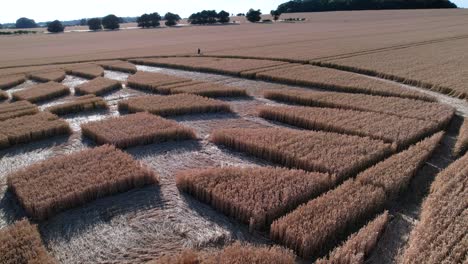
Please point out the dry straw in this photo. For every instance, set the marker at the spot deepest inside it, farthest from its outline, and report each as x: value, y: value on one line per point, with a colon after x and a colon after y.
x: 80, y: 104
x: 236, y: 253
x: 17, y: 109
x: 359, y: 245
x: 314, y: 228
x: 152, y: 81
x: 461, y: 146
x: 56, y: 75
x: 135, y: 129
x: 395, y: 173
x: 392, y: 129
x: 29, y: 128
x: 54, y: 185
x: 254, y: 196
x: 88, y: 71
x: 41, y: 92
x: 117, y: 65
x: 442, y: 114
x: 440, y: 234
x: 21, y: 243
x: 343, y: 155
x: 98, y: 86
x: 178, y: 104
x: 7, y: 82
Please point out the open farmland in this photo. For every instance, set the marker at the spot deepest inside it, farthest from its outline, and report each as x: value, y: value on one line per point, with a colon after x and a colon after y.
x: 265, y: 148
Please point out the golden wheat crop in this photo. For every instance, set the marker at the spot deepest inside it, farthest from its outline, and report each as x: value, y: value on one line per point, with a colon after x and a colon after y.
x: 254, y: 196
x: 118, y: 65
x: 152, y: 81
x: 10, y: 81
x: 209, y: 90
x: 87, y: 70
x: 135, y: 129
x: 98, y: 86
x: 17, y: 109
x: 56, y: 75
x: 334, y: 153
x: 178, y: 104
x: 461, y: 146
x: 60, y: 183
x: 80, y: 104
x: 22, y: 243
x: 41, y: 92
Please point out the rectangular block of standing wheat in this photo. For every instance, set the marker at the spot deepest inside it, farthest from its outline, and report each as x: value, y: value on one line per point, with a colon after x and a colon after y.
x: 210, y: 90
x: 178, y: 104
x: 152, y: 81
x: 80, y: 104
x: 334, y: 153
x: 41, y: 92
x: 254, y: 196
x: 88, y: 71
x: 10, y: 81
x: 17, y: 109
x: 56, y: 75
x: 436, y: 112
x: 315, y: 227
x: 135, y: 129
x: 54, y: 185
x: 29, y: 128
x: 400, y: 131
x: 118, y: 65
x: 3, y: 95
x: 98, y: 86
x: 22, y: 243
x: 462, y: 140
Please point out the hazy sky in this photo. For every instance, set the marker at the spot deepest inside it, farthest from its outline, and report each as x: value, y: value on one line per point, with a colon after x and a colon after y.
x: 47, y: 10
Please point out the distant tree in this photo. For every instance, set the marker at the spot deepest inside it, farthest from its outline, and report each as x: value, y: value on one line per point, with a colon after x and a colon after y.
x: 241, y: 14
x: 95, y: 24
x: 55, y: 27
x: 223, y: 17
x: 204, y: 17
x: 275, y: 14
x: 83, y: 22
x: 122, y: 20
x: 171, y: 19
x: 110, y: 22
x: 25, y: 23
x: 254, y: 15
x: 1, y: 26
x: 151, y: 20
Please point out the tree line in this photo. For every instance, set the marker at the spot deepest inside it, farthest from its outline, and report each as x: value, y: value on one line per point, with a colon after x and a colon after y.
x: 154, y: 20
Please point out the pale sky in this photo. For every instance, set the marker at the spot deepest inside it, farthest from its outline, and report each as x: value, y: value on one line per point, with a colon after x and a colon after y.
x: 48, y: 10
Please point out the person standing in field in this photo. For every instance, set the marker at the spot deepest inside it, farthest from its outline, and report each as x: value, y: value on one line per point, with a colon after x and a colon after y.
x: 199, y: 51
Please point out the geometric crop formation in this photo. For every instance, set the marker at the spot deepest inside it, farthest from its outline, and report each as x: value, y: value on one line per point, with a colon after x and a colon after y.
x: 41, y: 92
x: 254, y: 196
x: 152, y: 81
x: 170, y: 105
x: 17, y: 109
x: 79, y: 104
x: 117, y: 65
x: 22, y: 243
x: 87, y: 71
x: 56, y: 75
x: 28, y: 128
x: 7, y: 82
x: 98, y: 86
x: 207, y: 89
x: 338, y: 154
x: 403, y: 107
x: 135, y: 129
x: 389, y: 128
x: 54, y: 185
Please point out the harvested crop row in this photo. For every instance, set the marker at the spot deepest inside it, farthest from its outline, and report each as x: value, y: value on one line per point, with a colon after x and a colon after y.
x: 88, y: 71
x: 7, y: 82
x: 152, y: 82
x: 315, y: 227
x: 234, y: 254
x: 436, y: 112
x: 32, y: 127
x: 395, y: 173
x: 56, y: 75
x: 80, y: 104
x: 41, y: 92
x: 228, y: 66
x: 178, y: 104
x: 54, y: 185
x: 209, y: 90
x: 461, y: 146
x: 3, y: 95
x: 392, y: 129
x: 359, y: 245
x: 98, y: 86
x: 117, y: 65
x: 338, y: 154
x: 135, y: 129
x: 21, y: 243
x: 440, y: 235
x: 254, y: 196
x: 17, y: 109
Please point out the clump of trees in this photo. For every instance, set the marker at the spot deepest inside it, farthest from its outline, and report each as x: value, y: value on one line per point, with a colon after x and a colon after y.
x: 55, y: 27
x: 25, y: 22
x: 275, y: 14
x: 95, y: 24
x: 1, y: 26
x: 254, y: 15
x: 111, y: 22
x: 209, y: 17
x: 149, y: 20
x: 171, y: 19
